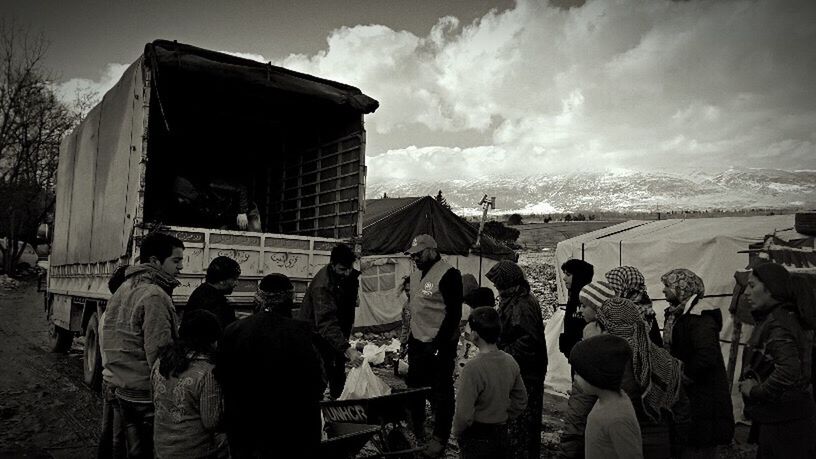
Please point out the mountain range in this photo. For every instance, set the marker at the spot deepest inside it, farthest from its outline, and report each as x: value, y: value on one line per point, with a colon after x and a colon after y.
x: 619, y: 191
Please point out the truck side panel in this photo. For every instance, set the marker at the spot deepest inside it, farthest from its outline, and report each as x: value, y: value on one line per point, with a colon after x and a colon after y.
x: 119, y: 140
x: 97, y: 193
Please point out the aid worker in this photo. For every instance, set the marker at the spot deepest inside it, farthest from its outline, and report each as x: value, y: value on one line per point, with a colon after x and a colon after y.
x: 435, y: 306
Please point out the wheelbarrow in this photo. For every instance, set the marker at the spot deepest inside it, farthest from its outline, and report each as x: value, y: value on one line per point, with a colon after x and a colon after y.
x: 391, y: 415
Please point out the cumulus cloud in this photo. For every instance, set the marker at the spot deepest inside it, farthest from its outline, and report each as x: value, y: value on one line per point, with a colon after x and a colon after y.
x: 613, y: 83
x: 68, y: 91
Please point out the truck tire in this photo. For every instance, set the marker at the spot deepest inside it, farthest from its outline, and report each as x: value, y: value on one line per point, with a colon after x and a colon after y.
x: 805, y: 223
x: 92, y: 357
x: 59, y: 339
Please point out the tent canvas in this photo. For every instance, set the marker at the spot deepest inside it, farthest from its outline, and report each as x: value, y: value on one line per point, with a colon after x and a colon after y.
x: 714, y: 248
x: 389, y: 226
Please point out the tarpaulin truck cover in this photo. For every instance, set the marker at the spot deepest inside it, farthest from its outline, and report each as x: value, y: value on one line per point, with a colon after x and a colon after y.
x: 100, y: 178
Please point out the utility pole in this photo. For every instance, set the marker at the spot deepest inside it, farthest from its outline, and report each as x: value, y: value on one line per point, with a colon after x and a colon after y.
x: 486, y: 204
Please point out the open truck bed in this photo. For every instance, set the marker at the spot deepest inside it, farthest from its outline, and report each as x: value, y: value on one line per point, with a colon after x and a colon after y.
x: 295, y: 142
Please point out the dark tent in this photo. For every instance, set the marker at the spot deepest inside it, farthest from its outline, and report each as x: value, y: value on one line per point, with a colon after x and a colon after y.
x: 390, y: 224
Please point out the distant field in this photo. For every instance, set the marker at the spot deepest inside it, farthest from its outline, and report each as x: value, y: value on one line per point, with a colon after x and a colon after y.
x: 538, y: 236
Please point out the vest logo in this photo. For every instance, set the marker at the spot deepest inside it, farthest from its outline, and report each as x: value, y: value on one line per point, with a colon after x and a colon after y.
x: 414, y: 243
x: 427, y: 289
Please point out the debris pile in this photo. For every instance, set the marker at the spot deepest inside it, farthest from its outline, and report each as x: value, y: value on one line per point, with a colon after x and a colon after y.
x: 542, y: 282
x: 7, y: 283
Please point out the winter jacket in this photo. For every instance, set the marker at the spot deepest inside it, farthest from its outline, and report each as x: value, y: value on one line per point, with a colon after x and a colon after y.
x: 189, y: 412
x: 522, y: 334
x: 695, y: 342
x: 329, y: 306
x: 778, y: 356
x: 207, y: 297
x: 138, y: 321
x: 271, y: 376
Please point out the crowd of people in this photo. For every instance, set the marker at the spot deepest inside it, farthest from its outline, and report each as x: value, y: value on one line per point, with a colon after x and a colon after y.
x: 194, y: 381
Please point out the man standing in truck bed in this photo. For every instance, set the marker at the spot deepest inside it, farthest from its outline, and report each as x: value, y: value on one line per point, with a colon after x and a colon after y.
x: 329, y: 306
x: 138, y: 321
x: 435, y: 304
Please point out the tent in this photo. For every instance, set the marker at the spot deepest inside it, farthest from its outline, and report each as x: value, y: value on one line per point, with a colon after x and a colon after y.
x: 389, y: 226
x: 714, y: 248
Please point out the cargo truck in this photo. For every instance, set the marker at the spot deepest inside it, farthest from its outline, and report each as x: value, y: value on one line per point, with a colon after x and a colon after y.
x: 294, y: 144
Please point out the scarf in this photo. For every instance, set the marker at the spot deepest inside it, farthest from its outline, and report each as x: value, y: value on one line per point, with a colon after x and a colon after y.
x: 688, y: 288
x: 656, y: 372
x: 629, y: 283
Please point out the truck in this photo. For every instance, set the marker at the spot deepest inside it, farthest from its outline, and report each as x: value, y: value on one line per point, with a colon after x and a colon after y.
x: 294, y: 143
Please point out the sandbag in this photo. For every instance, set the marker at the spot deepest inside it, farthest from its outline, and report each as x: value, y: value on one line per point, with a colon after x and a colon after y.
x: 361, y: 382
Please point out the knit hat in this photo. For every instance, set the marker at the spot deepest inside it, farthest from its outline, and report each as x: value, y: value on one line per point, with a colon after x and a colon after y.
x: 601, y: 360
x: 775, y: 278
x: 505, y: 274
x: 596, y: 293
x: 481, y: 296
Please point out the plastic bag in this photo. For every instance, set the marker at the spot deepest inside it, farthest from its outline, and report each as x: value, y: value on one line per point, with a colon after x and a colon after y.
x: 374, y: 354
x: 361, y: 382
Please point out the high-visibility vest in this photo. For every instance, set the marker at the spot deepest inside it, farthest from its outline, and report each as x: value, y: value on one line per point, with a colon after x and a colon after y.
x: 426, y: 305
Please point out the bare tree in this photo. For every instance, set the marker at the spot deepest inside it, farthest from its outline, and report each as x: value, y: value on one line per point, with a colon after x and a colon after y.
x: 33, y: 122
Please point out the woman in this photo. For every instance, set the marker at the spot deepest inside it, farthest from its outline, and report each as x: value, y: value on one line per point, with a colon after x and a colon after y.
x: 187, y: 397
x: 693, y: 337
x: 629, y: 283
x: 653, y: 381
x: 522, y: 337
x: 777, y: 362
x: 577, y: 274
x: 275, y: 293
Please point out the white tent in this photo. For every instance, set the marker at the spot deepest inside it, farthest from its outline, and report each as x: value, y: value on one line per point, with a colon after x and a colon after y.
x: 708, y: 246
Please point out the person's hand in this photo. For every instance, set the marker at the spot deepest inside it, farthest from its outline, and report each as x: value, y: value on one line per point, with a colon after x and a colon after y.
x: 242, y: 221
x: 354, y: 356
x: 746, y: 386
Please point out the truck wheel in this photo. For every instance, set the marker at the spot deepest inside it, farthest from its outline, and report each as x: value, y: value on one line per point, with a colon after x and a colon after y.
x: 59, y: 338
x: 92, y: 357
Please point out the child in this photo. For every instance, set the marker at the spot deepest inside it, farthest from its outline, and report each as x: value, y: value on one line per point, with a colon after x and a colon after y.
x: 612, y: 429
x: 490, y: 393
x: 592, y: 297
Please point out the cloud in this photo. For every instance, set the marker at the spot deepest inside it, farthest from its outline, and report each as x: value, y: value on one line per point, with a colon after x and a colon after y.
x: 612, y: 83
x: 69, y: 90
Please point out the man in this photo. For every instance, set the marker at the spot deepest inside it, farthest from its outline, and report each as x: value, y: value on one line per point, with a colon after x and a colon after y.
x: 272, y: 380
x: 216, y: 203
x: 329, y: 306
x: 435, y: 305
x: 222, y: 276
x: 138, y: 321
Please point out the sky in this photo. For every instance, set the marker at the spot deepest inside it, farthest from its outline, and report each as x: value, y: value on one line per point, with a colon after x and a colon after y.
x: 474, y: 88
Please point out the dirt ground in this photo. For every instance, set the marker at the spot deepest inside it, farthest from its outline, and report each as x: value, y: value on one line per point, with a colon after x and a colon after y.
x: 46, y: 411
x: 45, y: 408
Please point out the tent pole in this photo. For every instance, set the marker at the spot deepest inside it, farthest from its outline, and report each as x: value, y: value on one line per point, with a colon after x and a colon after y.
x: 582, y: 252
x: 480, y: 268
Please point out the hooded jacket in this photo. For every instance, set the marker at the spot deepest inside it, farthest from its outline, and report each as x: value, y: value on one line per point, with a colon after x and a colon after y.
x: 138, y: 321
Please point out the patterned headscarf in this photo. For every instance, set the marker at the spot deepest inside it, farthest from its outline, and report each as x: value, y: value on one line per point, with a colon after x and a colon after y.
x: 685, y: 284
x: 629, y: 283
x: 656, y: 372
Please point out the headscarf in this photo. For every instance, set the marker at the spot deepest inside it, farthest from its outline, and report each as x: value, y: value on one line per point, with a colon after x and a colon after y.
x: 581, y: 272
x: 506, y: 274
x: 656, y: 372
x: 629, y: 283
x: 685, y: 285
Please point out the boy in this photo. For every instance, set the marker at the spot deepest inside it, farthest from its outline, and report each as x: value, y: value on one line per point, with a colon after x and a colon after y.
x: 612, y: 429
x: 491, y: 391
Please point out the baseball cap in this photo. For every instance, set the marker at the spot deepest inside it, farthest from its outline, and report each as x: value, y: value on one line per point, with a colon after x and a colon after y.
x: 420, y: 243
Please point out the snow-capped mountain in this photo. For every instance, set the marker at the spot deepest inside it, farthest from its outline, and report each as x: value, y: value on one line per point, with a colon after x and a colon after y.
x: 620, y: 190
